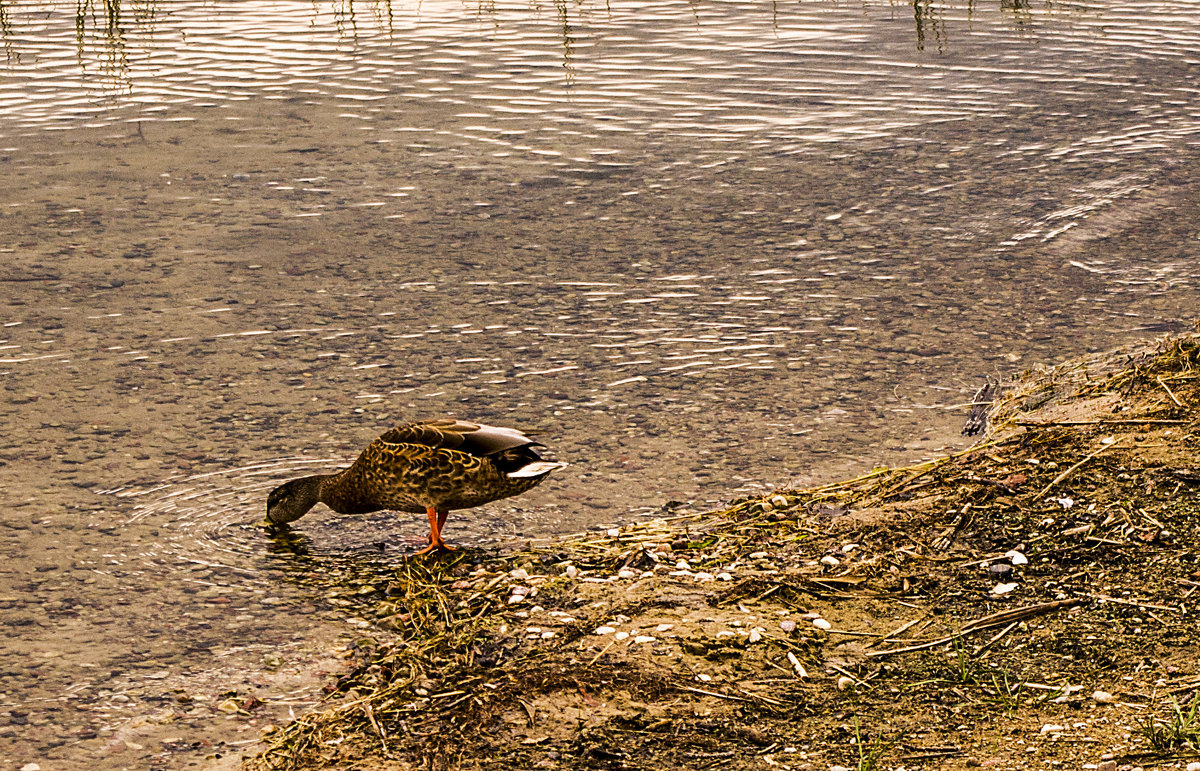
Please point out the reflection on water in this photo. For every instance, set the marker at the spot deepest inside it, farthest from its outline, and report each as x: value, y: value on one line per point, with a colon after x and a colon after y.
x: 113, y: 38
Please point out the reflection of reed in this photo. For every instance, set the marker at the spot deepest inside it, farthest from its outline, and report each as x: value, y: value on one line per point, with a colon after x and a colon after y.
x: 568, y: 40
x: 11, y: 54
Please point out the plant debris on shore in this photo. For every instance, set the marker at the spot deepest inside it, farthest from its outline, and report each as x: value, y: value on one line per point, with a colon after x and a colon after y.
x: 1027, y: 602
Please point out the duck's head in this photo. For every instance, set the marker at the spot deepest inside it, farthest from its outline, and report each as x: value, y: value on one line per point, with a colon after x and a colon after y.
x: 292, y: 500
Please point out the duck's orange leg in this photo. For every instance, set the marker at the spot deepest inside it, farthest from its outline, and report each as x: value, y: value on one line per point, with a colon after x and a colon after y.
x: 436, y: 520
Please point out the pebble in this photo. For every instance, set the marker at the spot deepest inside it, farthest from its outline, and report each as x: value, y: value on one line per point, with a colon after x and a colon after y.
x: 31, y: 767
x: 1016, y: 557
x: 787, y: 625
x: 1003, y: 588
x: 1108, y: 765
x: 821, y: 623
x: 643, y: 638
x: 613, y: 532
x: 1104, y: 697
x: 755, y: 634
x: 1193, y: 766
x: 830, y: 560
x: 847, y: 548
x: 704, y: 678
x: 796, y: 665
x: 664, y: 627
x: 724, y: 577
x: 1052, y: 728
x: 627, y: 573
x: 682, y: 565
x: 520, y: 574
x: 844, y: 682
x: 621, y: 635
x: 779, y: 502
x: 604, y: 630
x: 572, y: 571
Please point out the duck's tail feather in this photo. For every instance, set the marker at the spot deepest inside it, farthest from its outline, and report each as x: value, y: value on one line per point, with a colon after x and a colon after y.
x: 537, y: 469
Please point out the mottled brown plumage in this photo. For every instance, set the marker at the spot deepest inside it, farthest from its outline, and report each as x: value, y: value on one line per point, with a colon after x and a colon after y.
x: 434, y: 466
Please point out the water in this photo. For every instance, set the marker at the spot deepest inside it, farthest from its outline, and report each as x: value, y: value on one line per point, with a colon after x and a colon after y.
x: 702, y: 249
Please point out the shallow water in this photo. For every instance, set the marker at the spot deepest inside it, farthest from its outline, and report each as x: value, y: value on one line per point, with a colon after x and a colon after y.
x: 702, y: 248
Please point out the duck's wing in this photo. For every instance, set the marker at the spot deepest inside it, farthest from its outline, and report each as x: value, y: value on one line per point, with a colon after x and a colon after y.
x: 448, y: 433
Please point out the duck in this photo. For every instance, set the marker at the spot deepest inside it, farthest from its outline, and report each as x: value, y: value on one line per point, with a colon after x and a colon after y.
x: 432, y: 466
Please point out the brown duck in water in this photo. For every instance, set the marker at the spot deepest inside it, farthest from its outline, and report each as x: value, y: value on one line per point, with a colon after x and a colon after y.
x: 433, y: 466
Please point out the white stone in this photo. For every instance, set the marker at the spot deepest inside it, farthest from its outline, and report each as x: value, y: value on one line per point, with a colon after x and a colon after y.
x: 613, y: 532
x: 755, y: 634
x: 1016, y: 557
x: 1193, y: 766
x: 31, y: 767
x: 1003, y: 588
x: 604, y: 630
x: 724, y: 577
x: 830, y: 560
x: 682, y: 565
x: 664, y: 627
x: 572, y: 571
x: 844, y: 682
x: 621, y: 635
x: 1051, y: 728
x: 520, y: 574
x: 1103, y: 697
x: 627, y: 573
x: 643, y: 638
x: 821, y: 623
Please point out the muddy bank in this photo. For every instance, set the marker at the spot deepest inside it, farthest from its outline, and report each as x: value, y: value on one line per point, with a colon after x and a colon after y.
x: 1028, y: 602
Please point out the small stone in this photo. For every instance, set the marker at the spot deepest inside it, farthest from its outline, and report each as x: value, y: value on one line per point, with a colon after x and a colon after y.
x: 1104, y: 697
x: 31, y: 767
x: 572, y: 571
x: 830, y: 560
x: 796, y: 665
x: 604, y: 630
x: 613, y: 532
x: 1052, y: 728
x: 847, y: 548
x: 844, y: 682
x: 1003, y: 588
x: 682, y: 565
x: 627, y: 573
x: 1193, y: 766
x: 1108, y: 765
x: 704, y: 678
x: 519, y: 574
x: 621, y: 635
x: 724, y: 577
x: 821, y: 623
x: 643, y: 638
x: 787, y: 625
x: 664, y: 627
x: 779, y: 502
x: 547, y: 634
x: 1016, y: 557
x: 755, y: 634
x: 515, y: 599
